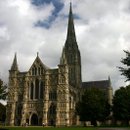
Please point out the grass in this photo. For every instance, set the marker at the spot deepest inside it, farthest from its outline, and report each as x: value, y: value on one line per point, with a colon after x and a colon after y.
x: 46, y: 128
x: 56, y: 128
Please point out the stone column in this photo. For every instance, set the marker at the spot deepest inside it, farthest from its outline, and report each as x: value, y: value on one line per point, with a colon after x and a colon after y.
x: 25, y: 99
x: 45, y: 110
x: 57, y: 114
x: 63, y: 82
x: 12, y: 99
x: 46, y: 98
x: 67, y: 120
x: 110, y: 95
x: 12, y: 116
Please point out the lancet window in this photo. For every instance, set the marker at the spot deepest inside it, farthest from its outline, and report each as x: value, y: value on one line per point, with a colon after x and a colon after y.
x: 41, y: 89
x: 31, y: 91
x: 37, y: 70
x: 52, y: 96
x: 52, y: 109
x: 37, y: 89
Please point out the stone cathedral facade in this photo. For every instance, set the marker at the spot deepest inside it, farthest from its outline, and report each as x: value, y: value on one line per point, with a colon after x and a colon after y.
x: 49, y: 95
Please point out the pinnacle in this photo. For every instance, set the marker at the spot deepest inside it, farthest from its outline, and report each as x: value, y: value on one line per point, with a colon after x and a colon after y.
x: 14, y: 65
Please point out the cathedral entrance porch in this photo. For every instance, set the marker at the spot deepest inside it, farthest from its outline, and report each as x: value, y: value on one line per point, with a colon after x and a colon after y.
x: 52, y: 115
x: 34, y: 120
x: 51, y: 122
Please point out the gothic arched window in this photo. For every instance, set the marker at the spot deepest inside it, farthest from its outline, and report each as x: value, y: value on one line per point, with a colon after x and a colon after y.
x: 52, y: 109
x: 52, y: 96
x: 39, y: 71
x: 70, y: 58
x: 19, y: 109
x: 35, y: 70
x: 36, y: 89
x: 31, y: 91
x: 41, y: 90
x: 42, y: 71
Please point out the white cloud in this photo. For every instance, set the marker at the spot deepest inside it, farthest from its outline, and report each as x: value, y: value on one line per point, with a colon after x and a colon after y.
x: 103, y: 32
x: 4, y: 33
x: 18, y: 33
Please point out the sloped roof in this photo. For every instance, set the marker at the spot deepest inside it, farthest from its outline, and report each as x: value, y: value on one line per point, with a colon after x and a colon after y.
x: 40, y: 62
x: 102, y: 84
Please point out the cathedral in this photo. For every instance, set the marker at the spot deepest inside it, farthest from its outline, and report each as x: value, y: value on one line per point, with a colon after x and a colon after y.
x: 44, y: 95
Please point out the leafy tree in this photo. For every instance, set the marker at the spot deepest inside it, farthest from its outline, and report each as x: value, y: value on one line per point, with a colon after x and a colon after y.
x: 3, y: 90
x: 2, y: 112
x: 126, y: 70
x: 121, y: 104
x: 93, y: 106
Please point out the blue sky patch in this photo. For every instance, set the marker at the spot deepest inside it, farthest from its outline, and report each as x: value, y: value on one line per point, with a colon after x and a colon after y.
x: 58, y: 6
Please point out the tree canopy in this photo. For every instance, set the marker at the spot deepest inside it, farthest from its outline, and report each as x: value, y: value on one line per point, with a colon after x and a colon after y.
x: 3, y: 90
x: 126, y: 70
x: 93, y: 106
x: 121, y: 104
x: 2, y: 112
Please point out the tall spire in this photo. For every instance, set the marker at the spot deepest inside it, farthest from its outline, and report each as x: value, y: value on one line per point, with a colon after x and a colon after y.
x: 14, y: 65
x: 71, y: 38
x: 109, y: 79
x: 71, y: 54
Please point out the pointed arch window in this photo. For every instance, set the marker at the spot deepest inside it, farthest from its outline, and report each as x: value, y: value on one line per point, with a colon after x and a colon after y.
x: 31, y: 91
x: 70, y: 58
x: 52, y: 109
x: 52, y: 96
x: 39, y: 70
x: 19, y: 110
x: 41, y: 89
x: 62, y: 79
x: 42, y: 70
x: 36, y: 89
x: 33, y: 71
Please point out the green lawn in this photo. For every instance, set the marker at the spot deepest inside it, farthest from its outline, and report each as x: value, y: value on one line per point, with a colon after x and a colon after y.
x: 46, y: 128
x: 60, y: 128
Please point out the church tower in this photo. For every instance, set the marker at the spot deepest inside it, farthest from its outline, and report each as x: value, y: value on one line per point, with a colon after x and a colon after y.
x: 44, y: 95
x: 13, y: 93
x: 71, y: 54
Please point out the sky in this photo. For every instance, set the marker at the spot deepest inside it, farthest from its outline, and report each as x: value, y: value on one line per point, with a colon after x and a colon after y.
x: 30, y: 26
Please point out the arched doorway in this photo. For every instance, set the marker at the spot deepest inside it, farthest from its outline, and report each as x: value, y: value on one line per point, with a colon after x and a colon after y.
x: 52, y: 115
x: 34, y: 120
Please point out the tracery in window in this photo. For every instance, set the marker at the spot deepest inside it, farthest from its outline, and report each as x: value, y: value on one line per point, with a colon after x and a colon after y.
x: 52, y: 96
x: 42, y: 71
x: 31, y: 91
x: 35, y: 70
x: 52, y: 109
x: 19, y: 110
x: 39, y: 70
x: 41, y: 89
x: 36, y: 89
